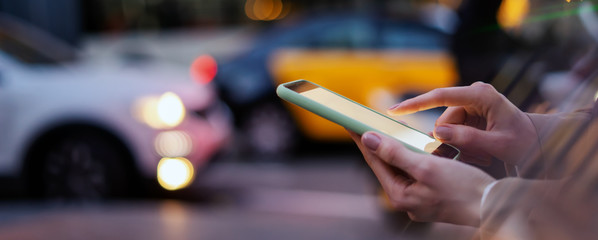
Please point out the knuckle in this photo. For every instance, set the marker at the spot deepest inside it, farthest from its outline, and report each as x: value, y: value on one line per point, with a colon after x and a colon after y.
x: 390, y: 153
x: 464, y: 137
x: 483, y: 85
x: 485, y: 89
x: 438, y: 92
x: 397, y: 201
x: 502, y: 144
x: 395, y: 195
x: 392, y: 194
x: 425, y: 169
x: 385, y: 152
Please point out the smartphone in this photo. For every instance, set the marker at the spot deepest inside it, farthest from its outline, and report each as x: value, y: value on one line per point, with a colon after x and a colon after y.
x: 360, y: 118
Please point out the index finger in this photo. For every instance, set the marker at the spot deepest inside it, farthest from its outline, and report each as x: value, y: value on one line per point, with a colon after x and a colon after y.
x: 440, y: 97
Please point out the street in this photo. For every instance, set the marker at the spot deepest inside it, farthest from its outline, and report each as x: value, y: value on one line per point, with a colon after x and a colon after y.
x: 319, y: 194
x: 138, y: 119
x: 310, y: 197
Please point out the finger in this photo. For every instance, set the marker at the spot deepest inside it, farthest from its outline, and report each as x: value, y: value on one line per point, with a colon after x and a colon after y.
x: 386, y: 174
x: 394, y: 153
x: 469, y: 139
x: 356, y: 137
x: 406, y: 200
x: 448, y: 97
x: 452, y: 115
x: 453, y: 96
x: 392, y: 179
x: 418, y: 195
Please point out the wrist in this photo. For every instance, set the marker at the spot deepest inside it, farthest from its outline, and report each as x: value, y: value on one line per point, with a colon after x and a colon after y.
x: 532, y: 142
x: 485, y: 193
x: 478, y: 205
x: 473, y: 214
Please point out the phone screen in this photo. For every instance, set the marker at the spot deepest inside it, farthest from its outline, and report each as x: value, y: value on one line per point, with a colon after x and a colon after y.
x: 374, y: 119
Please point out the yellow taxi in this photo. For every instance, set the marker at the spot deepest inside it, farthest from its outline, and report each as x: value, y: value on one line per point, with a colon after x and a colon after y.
x: 373, y: 77
x: 372, y: 60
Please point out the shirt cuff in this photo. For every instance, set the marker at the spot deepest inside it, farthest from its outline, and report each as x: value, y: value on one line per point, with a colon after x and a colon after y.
x: 485, y: 194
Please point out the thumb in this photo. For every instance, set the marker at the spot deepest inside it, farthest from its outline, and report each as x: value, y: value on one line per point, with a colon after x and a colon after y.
x: 465, y: 137
x: 391, y: 151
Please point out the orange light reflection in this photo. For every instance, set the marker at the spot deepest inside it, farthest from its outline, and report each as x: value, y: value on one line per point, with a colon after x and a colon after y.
x: 266, y: 10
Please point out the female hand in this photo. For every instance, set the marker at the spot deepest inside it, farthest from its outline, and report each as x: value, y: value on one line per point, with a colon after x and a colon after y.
x: 427, y: 187
x: 479, y: 121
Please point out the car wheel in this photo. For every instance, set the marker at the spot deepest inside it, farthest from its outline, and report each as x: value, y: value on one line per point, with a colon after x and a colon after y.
x: 82, y: 165
x: 269, y: 130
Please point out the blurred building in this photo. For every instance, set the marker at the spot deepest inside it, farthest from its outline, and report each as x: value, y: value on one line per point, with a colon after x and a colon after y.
x: 119, y: 15
x: 67, y: 19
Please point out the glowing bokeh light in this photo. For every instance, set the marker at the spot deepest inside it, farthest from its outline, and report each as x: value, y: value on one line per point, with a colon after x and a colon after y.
x: 204, y: 69
x: 145, y: 112
x: 175, y: 173
x: 171, y: 110
x: 263, y: 9
x: 162, y: 112
x: 266, y: 10
x: 173, y: 144
x: 512, y: 13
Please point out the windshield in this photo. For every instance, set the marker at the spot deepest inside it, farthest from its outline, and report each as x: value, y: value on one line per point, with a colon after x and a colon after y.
x: 30, y: 45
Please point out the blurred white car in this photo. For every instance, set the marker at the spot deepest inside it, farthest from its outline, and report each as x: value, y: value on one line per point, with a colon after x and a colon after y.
x: 78, y: 130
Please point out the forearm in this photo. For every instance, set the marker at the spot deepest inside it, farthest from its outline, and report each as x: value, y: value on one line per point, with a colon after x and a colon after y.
x: 546, y: 124
x: 540, y: 209
x: 553, y: 131
x: 513, y: 200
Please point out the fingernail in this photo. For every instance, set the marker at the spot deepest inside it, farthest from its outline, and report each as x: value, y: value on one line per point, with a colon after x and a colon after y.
x: 371, y: 141
x: 394, y: 107
x: 443, y: 133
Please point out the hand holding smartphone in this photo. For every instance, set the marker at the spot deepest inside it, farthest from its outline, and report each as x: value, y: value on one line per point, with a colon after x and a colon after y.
x: 359, y: 118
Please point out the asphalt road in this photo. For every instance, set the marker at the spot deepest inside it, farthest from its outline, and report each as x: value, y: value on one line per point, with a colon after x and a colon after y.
x: 308, y: 197
x: 312, y: 196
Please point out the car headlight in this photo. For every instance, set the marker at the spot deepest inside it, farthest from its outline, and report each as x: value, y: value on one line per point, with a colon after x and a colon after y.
x: 175, y: 173
x: 167, y: 111
x: 171, y: 110
x: 173, y: 144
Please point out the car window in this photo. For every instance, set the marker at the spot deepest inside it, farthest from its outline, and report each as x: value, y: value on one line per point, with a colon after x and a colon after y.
x: 22, y: 52
x: 28, y: 44
x: 412, y: 37
x: 349, y: 34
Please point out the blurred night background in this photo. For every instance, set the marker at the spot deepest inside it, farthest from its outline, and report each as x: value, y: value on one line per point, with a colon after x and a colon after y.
x: 157, y: 119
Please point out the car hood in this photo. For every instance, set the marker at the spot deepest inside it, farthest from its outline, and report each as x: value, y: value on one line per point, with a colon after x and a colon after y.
x: 125, y: 82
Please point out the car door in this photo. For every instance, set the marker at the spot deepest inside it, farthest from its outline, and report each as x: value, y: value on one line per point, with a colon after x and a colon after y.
x: 334, y: 55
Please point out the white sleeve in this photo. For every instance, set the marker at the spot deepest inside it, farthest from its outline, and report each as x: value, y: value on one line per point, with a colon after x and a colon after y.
x: 485, y: 194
